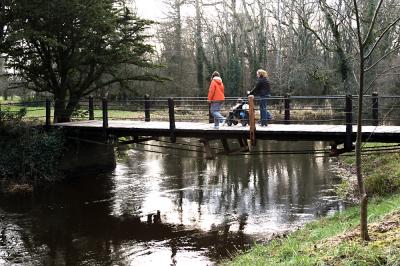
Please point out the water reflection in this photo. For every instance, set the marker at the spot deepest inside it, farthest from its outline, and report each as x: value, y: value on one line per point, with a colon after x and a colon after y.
x: 208, y: 209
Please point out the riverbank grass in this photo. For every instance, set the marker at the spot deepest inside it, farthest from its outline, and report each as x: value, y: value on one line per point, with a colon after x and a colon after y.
x: 336, y: 240
x: 380, y: 166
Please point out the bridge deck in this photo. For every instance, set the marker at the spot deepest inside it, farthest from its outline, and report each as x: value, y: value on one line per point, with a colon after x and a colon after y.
x: 205, y: 130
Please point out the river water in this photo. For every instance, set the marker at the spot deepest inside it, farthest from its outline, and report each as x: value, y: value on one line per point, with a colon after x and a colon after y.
x: 208, y: 209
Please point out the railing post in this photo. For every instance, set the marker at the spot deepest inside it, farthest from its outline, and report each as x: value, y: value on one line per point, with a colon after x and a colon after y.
x: 348, y: 142
x: 287, y: 108
x: 210, y: 116
x: 171, y: 119
x: 147, y: 108
x: 1, y: 116
x: 252, y: 120
x: 375, y: 109
x: 91, y: 108
x: 105, y: 116
x: 48, y: 113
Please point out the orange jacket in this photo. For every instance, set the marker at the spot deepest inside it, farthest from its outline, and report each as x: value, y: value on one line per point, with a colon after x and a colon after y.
x: 216, y: 90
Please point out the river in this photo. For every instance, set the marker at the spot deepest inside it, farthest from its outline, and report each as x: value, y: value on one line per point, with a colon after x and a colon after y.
x: 168, y: 206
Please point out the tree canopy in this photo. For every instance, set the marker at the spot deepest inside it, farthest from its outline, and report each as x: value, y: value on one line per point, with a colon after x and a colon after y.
x: 71, y: 48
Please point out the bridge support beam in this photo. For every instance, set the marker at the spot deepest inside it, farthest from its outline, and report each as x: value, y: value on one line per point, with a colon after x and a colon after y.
x: 147, y: 108
x: 375, y: 109
x: 78, y: 156
x: 207, y: 148
x: 91, y: 108
x: 105, y: 118
x: 225, y: 144
x: 48, y: 114
x: 348, y: 142
x: 287, y: 108
x: 243, y: 144
x: 171, y: 111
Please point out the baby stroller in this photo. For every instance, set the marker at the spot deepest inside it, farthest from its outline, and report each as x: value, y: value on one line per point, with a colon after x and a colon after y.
x: 239, y: 113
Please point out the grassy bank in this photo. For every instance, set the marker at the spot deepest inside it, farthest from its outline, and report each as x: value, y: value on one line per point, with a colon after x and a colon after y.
x: 336, y: 240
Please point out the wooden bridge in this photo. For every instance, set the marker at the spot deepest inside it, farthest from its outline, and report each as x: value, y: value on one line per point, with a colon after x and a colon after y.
x: 324, y: 127
x: 313, y: 132
x: 312, y: 118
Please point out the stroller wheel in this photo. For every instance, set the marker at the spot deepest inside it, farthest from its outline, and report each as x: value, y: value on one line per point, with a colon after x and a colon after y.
x: 229, y: 122
x: 244, y: 122
x: 235, y: 122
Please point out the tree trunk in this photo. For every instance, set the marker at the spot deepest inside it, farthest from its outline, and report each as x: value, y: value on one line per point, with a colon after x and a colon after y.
x: 199, y: 48
x: 59, y: 111
x: 360, y: 181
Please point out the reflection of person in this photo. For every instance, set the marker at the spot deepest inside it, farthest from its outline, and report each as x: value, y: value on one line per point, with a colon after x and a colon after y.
x: 263, y: 90
x: 216, y: 97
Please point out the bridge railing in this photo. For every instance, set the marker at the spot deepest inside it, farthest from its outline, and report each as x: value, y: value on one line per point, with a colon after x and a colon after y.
x: 286, y: 109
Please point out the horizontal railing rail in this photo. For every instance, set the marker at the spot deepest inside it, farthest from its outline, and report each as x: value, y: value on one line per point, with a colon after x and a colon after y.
x: 288, y: 109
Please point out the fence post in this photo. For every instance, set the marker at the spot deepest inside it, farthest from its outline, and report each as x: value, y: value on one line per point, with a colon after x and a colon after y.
x: 287, y: 108
x: 252, y: 120
x: 171, y: 119
x: 147, y: 108
x: 105, y: 117
x: 210, y: 116
x: 48, y: 113
x: 348, y: 142
x: 375, y: 109
x: 91, y: 108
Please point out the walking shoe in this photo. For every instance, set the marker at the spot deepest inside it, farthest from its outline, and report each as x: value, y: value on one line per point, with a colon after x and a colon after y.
x: 223, y: 122
x: 262, y: 124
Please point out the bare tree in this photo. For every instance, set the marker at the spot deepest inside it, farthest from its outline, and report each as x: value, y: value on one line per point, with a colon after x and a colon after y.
x: 368, y: 39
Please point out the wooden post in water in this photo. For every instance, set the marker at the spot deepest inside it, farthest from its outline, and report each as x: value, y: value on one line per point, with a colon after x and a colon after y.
x: 171, y: 110
x: 91, y: 108
x: 348, y: 142
x: 48, y: 113
x: 252, y: 120
x: 105, y: 117
x: 375, y: 109
x: 147, y: 108
x: 287, y: 108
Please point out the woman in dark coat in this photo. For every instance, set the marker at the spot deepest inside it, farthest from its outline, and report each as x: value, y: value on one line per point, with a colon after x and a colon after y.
x: 263, y: 90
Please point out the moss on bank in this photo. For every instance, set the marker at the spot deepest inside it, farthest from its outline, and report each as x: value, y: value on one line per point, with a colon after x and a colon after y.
x: 336, y: 240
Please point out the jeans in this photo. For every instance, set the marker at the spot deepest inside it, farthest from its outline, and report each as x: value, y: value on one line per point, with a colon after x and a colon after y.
x: 263, y: 110
x: 215, y: 109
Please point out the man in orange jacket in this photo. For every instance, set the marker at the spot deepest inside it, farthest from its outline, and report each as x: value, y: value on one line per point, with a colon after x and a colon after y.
x: 216, y: 97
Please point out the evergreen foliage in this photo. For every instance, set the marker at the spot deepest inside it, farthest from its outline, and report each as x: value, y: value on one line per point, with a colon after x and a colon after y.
x: 72, y: 48
x: 28, y: 154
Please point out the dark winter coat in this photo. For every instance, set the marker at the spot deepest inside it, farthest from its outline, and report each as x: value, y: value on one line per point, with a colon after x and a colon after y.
x: 262, y: 87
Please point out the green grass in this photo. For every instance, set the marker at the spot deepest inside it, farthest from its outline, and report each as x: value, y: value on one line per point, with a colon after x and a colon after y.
x: 381, y: 180
x: 9, y: 100
x: 309, y: 245
x: 31, y: 112
x: 336, y: 240
x: 39, y: 113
